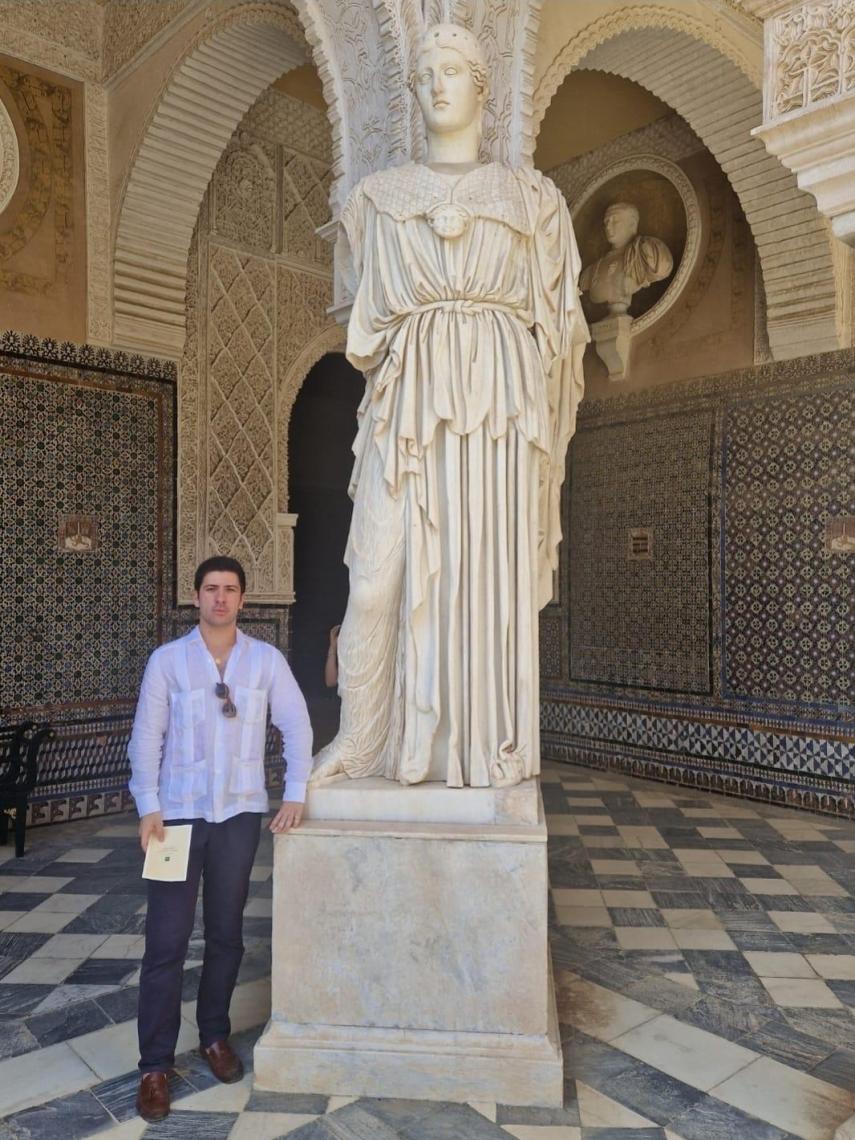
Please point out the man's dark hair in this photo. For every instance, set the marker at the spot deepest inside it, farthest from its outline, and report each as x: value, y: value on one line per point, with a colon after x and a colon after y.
x: 219, y: 562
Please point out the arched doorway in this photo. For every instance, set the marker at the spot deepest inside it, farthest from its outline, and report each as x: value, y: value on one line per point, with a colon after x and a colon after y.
x: 320, y: 435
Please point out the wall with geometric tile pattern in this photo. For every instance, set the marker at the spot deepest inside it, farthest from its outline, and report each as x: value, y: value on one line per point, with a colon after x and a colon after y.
x: 727, y: 657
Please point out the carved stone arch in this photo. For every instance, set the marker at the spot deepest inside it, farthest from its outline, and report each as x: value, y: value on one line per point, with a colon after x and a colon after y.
x: 682, y: 61
x: 217, y: 80
x: 330, y: 339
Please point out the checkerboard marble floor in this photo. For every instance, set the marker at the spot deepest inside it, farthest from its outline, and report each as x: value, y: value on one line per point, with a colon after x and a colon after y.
x: 704, y: 956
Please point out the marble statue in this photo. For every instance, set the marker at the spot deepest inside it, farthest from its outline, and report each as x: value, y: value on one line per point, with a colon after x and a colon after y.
x: 630, y: 264
x: 467, y: 325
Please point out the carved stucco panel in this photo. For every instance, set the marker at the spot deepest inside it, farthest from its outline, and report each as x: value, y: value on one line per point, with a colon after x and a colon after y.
x: 812, y: 50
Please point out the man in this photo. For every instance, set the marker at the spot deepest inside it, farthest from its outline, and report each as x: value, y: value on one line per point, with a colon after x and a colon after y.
x: 197, y: 756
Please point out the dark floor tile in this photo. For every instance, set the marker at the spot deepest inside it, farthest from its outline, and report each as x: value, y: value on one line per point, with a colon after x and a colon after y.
x: 450, y: 1122
x: 745, y: 920
x: 636, y: 916
x: 67, y: 1118
x: 103, y: 972
x: 21, y: 945
x: 119, y: 1094
x: 838, y: 1069
x: 20, y: 900
x: 835, y: 1026
x: 820, y: 943
x: 661, y: 993
x: 305, y: 1103
x: 192, y: 1125
x: 778, y: 1039
x: 568, y: 1115
x: 623, y: 1134
x: 594, y: 1062
x: 97, y: 923
x: 121, y: 1005
x: 761, y: 940
x: 726, y: 1019
x: 729, y: 962
x: 784, y: 902
x: 679, y: 900
x: 712, y: 1119
x: 135, y: 924
x: 70, y: 1021
x: 15, y: 1038
x: 845, y: 991
x: 18, y: 1000
x: 8, y: 964
x: 649, y: 1092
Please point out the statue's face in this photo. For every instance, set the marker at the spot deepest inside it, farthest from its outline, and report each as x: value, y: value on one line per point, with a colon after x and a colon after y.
x: 620, y: 226
x: 446, y: 91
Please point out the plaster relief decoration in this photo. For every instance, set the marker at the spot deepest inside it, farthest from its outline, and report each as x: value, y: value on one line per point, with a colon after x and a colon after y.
x: 9, y: 158
x: 456, y: 483
x: 259, y: 284
x: 42, y: 226
x: 629, y: 279
x: 813, y: 53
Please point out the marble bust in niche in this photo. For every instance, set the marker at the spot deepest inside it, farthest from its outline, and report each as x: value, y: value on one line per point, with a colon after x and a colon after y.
x: 633, y: 262
x: 467, y: 324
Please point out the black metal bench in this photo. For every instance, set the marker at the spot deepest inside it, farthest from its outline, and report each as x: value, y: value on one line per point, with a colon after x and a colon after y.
x: 19, y: 767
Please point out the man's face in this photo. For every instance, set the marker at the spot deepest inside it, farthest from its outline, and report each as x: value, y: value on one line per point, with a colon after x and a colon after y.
x: 219, y: 598
x: 446, y: 91
x: 620, y: 227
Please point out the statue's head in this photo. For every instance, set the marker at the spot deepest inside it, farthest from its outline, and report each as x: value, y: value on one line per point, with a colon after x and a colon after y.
x: 620, y: 222
x: 449, y: 78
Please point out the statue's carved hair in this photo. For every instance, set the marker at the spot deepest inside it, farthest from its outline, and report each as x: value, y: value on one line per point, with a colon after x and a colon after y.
x: 623, y: 208
x: 460, y: 40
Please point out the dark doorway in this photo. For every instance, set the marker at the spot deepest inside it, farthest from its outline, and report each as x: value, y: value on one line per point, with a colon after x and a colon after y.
x: 320, y: 459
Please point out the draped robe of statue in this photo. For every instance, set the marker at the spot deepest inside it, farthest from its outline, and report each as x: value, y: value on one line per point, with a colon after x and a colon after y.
x: 467, y: 325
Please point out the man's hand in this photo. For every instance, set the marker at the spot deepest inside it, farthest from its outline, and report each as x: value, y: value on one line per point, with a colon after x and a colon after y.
x: 150, y: 825
x: 288, y: 816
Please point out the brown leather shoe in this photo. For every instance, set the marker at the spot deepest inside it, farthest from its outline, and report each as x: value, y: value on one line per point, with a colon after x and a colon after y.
x: 225, y: 1064
x: 153, y: 1097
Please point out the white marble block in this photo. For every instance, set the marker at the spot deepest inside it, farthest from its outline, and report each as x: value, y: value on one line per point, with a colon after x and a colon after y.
x: 410, y: 956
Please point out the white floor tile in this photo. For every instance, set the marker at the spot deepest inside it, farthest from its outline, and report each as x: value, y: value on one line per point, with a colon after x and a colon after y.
x: 7, y: 917
x: 265, y: 1125
x: 692, y: 1055
x: 337, y: 1102
x: 70, y: 946
x: 36, y: 922
x: 543, y: 1131
x: 583, y: 916
x: 801, y: 993
x: 259, y: 908
x: 775, y: 964
x: 83, y: 855
x: 218, y: 1098
x: 689, y: 918
x: 66, y: 904
x: 642, y: 899
x: 33, y: 885
x: 769, y: 886
x: 746, y: 858
x: 561, y: 825
x: 600, y: 1012
x: 121, y: 946
x: 703, y: 940
x: 599, y: 1111
x: 40, y: 1076
x: 131, y: 1130
x: 114, y: 1050
x: 644, y: 938
x: 260, y: 873
x: 42, y: 971
x: 838, y: 967
x: 565, y: 896
x: 801, y: 922
x: 789, y: 1099
x: 486, y: 1108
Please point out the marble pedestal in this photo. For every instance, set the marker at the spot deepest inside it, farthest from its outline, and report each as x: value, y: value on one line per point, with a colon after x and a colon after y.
x: 410, y: 954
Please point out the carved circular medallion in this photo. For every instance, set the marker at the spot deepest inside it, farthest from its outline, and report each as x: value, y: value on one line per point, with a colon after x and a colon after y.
x: 449, y: 220
x: 669, y: 210
x: 10, y: 166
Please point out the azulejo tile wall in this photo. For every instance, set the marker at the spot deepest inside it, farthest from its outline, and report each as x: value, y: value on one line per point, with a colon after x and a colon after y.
x: 727, y: 659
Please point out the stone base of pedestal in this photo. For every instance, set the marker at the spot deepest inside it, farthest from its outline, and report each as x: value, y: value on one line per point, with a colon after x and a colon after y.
x: 410, y: 955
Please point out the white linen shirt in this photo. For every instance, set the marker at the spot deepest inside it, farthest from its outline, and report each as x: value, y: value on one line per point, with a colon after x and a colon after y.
x: 188, y: 761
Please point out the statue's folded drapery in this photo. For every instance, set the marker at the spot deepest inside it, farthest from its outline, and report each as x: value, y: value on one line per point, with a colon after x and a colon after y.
x: 467, y: 325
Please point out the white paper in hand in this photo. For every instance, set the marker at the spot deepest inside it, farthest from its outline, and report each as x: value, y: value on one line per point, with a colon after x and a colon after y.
x: 166, y: 859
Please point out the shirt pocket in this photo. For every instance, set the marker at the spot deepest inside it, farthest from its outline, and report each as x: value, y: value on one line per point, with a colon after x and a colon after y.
x: 187, y: 773
x: 246, y: 776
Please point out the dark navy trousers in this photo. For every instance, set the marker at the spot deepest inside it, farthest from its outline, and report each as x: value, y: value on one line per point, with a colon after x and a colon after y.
x: 221, y: 855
